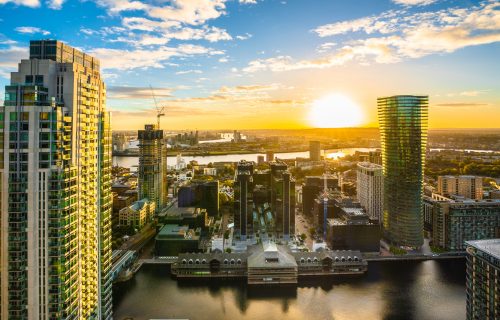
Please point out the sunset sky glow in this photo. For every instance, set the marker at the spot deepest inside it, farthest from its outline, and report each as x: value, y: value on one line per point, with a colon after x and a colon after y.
x: 253, y: 64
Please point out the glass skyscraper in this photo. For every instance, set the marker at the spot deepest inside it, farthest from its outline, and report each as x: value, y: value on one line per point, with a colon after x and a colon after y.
x: 55, y: 176
x: 403, y: 135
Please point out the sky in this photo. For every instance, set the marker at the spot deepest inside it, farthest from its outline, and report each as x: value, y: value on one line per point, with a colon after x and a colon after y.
x: 264, y: 64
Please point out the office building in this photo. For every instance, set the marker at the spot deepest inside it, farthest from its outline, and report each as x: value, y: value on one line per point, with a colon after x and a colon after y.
x: 454, y: 221
x: 152, y: 166
x: 312, y: 187
x: 200, y: 194
x: 470, y: 187
x: 137, y: 214
x: 269, y: 156
x: 370, y: 187
x: 314, y: 150
x: 55, y: 170
x: 264, y: 196
x: 483, y: 279
x: 403, y: 135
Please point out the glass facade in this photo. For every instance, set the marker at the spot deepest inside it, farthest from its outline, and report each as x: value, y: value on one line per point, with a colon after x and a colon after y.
x: 56, y: 179
x: 403, y: 135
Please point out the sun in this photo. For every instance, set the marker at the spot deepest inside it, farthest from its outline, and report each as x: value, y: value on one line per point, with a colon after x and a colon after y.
x: 335, y: 111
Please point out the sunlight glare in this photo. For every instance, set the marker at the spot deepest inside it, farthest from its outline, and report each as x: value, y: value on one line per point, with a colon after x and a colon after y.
x: 335, y: 111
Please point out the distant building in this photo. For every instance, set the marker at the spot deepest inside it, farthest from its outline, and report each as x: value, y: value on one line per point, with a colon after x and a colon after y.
x: 269, y: 156
x: 403, y: 135
x: 454, y: 221
x: 483, y: 279
x: 200, y: 194
x: 209, y: 171
x: 138, y: 214
x: 260, y: 160
x: 152, y: 166
x: 375, y: 157
x: 370, y: 187
x: 312, y: 187
x: 314, y: 150
x: 470, y: 187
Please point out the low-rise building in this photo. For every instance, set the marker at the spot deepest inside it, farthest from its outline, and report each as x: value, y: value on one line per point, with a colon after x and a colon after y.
x: 174, y: 239
x: 137, y: 214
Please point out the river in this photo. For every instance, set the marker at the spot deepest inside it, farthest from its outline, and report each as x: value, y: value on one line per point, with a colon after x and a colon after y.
x: 129, y: 162
x: 433, y: 290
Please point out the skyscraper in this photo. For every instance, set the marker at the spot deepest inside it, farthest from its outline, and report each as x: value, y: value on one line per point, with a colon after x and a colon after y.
x: 403, y: 135
x: 153, y: 166
x: 55, y: 174
x: 483, y: 279
x: 243, y: 203
x: 370, y: 184
x: 314, y: 150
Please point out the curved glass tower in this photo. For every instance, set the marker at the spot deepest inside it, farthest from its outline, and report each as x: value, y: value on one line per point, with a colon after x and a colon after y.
x: 403, y: 135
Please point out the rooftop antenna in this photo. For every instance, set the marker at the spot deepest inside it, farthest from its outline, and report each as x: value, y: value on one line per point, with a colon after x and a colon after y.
x: 159, y: 109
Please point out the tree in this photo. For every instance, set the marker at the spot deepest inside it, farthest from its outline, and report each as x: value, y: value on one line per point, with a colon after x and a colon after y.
x: 228, y: 250
x: 303, y: 237
x: 312, y: 231
x: 226, y: 234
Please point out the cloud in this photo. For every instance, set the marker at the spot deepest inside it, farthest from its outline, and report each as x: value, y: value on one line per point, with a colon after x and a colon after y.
x: 119, y: 92
x: 414, y: 2
x: 189, y: 71
x: 123, y: 59
x: 26, y: 3
x: 248, y: 1
x: 55, y: 4
x: 472, y: 93
x: 223, y: 60
x: 11, y: 56
x: 32, y: 30
x: 399, y: 35
x: 166, y: 30
x: 324, y: 47
x: 460, y: 105
x: 193, y: 12
x: 244, y: 37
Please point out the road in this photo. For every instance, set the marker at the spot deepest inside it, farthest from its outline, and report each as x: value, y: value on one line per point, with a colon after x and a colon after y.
x: 138, y: 240
x: 301, y: 226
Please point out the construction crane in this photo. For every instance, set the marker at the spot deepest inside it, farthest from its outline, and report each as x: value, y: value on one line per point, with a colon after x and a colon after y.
x: 159, y: 109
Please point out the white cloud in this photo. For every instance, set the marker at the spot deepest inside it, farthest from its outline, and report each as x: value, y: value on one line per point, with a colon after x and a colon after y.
x: 194, y: 12
x: 27, y: 3
x: 248, y: 1
x: 244, y: 37
x: 123, y: 59
x: 55, y: 4
x: 419, y: 34
x: 11, y: 56
x: 223, y: 60
x: 189, y: 71
x: 414, y: 2
x: 324, y: 47
x: 32, y: 30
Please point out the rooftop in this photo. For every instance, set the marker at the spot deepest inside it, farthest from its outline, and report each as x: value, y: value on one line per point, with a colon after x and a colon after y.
x: 369, y: 165
x: 490, y: 246
x: 173, y: 231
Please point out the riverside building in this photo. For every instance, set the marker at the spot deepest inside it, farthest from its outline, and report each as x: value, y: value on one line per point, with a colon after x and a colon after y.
x: 55, y: 172
x: 403, y: 135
